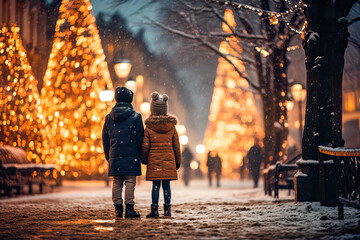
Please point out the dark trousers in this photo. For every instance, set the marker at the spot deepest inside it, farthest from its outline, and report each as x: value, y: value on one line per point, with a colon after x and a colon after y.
x: 186, y: 176
x: 255, y: 175
x: 217, y: 178
x: 156, y: 191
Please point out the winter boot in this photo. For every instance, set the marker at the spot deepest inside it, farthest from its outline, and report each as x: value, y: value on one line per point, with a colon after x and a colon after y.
x: 154, y: 211
x: 130, y: 212
x: 167, y: 210
x: 118, y: 210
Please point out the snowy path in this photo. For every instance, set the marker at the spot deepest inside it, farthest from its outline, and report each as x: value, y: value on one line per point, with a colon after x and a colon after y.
x: 234, y: 211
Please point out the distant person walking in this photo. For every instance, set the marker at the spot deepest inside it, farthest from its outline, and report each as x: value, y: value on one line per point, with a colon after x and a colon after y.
x: 187, y: 157
x: 254, y: 156
x: 214, y: 165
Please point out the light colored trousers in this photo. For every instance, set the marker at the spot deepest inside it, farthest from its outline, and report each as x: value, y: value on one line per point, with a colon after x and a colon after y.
x: 130, y: 182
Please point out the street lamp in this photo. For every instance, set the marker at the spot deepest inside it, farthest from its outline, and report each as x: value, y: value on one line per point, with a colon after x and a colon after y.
x: 181, y: 129
x: 106, y: 95
x: 200, y: 149
x: 289, y: 105
x: 145, y: 108
x: 299, y: 94
x: 139, y: 98
x: 183, y: 140
x: 194, y: 165
x: 131, y: 84
x: 122, y: 68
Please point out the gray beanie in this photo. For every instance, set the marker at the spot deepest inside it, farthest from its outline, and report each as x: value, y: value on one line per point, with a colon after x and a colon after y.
x: 158, y: 105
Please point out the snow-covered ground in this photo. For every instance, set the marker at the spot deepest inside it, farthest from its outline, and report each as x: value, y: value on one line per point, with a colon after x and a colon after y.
x: 234, y: 211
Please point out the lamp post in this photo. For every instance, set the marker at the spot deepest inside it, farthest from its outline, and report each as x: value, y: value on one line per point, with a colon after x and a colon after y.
x: 106, y: 95
x: 145, y: 108
x: 122, y: 68
x: 139, y: 99
x: 183, y: 140
x: 299, y: 94
x: 181, y: 130
x: 131, y: 84
x: 200, y: 149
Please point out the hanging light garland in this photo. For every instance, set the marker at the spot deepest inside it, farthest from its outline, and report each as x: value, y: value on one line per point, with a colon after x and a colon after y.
x: 271, y: 15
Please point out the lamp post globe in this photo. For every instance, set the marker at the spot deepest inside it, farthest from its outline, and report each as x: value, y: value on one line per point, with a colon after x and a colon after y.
x: 132, y: 85
x: 200, y: 149
x: 183, y: 140
x: 122, y: 68
x: 181, y: 130
x: 106, y: 95
x: 145, y: 108
x: 298, y: 93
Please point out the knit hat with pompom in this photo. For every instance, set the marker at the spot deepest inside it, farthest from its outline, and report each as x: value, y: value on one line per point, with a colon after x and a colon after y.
x: 158, y: 105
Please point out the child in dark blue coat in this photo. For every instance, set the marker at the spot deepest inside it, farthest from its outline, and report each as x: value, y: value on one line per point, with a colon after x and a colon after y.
x: 122, y: 137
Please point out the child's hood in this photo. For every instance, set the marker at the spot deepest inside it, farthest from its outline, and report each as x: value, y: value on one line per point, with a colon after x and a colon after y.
x: 162, y: 123
x: 121, y: 111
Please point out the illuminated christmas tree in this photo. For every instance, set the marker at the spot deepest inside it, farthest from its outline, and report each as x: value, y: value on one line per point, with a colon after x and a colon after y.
x: 19, y: 97
x: 76, y: 73
x: 233, y: 120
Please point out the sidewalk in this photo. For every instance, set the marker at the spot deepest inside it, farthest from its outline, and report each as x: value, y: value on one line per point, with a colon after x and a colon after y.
x: 234, y: 211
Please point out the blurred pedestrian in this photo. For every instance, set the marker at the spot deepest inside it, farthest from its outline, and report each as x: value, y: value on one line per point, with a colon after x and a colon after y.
x: 161, y: 152
x: 214, y: 165
x: 187, y: 157
x: 124, y: 129
x: 254, y: 156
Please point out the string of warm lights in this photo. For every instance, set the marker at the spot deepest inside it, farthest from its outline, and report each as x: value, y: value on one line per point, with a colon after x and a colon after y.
x: 72, y: 111
x: 233, y: 120
x: 271, y: 15
x: 297, y: 7
x: 19, y: 97
x: 292, y: 48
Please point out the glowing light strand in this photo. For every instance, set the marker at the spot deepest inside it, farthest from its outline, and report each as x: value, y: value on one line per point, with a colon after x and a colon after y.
x: 272, y: 15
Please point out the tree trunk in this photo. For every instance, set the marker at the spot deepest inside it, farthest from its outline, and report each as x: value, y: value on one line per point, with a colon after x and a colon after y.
x: 268, y: 108
x: 325, y: 44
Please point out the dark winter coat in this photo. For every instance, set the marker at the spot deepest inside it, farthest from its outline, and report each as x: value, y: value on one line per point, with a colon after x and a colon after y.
x: 214, y: 163
x: 254, y: 156
x: 161, y: 148
x: 122, y: 136
x: 187, y: 157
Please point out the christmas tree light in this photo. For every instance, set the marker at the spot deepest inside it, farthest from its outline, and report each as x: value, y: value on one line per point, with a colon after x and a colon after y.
x: 76, y: 73
x: 19, y: 97
x: 233, y: 119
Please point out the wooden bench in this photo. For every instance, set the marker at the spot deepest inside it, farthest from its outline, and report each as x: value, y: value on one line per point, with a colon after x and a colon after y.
x: 280, y: 176
x: 16, y: 171
x: 347, y: 166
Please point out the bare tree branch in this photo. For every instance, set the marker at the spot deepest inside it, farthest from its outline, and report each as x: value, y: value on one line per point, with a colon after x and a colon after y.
x: 234, y: 32
x: 208, y: 45
x: 242, y: 36
x: 196, y: 9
